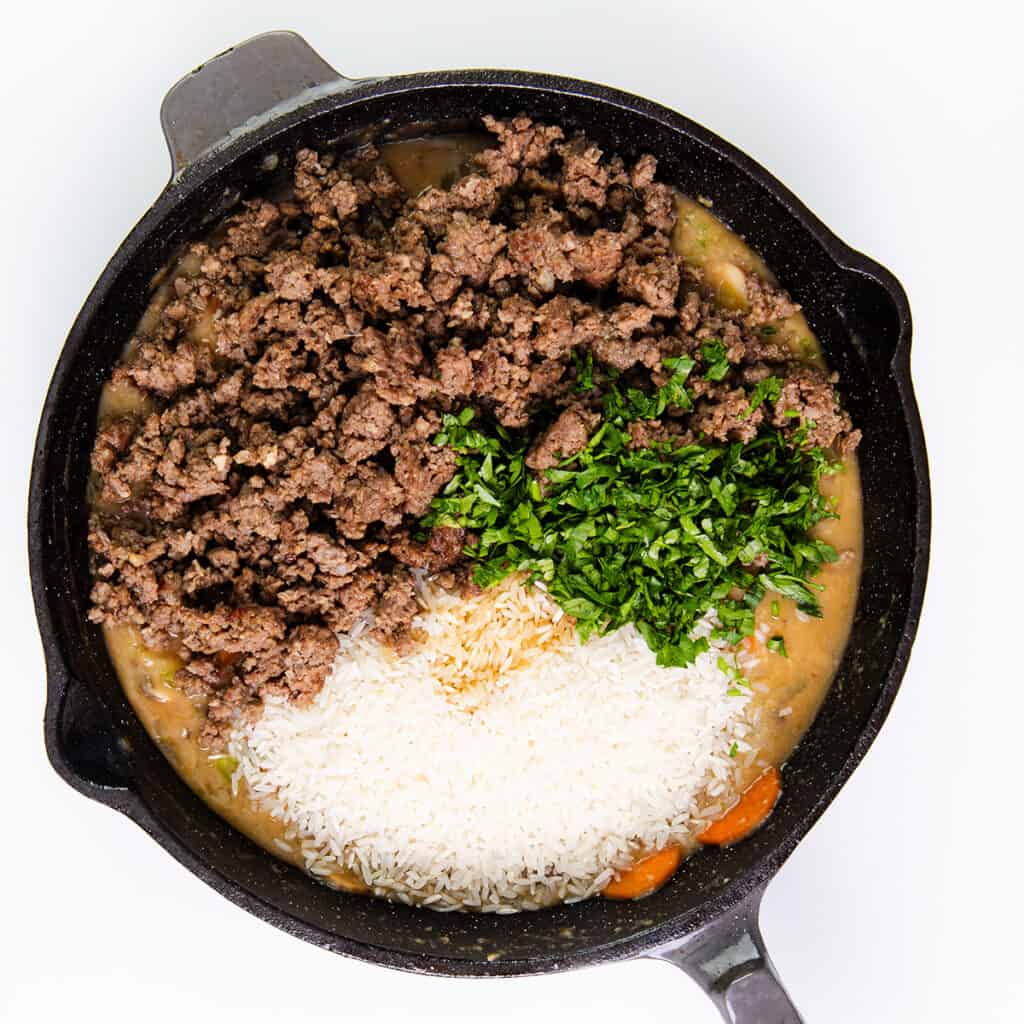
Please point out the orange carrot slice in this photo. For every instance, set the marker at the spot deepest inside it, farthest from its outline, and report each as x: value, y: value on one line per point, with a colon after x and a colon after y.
x: 646, y: 875
x: 753, y: 808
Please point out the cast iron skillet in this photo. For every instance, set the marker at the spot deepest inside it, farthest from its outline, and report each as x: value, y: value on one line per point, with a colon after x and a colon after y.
x: 231, y: 126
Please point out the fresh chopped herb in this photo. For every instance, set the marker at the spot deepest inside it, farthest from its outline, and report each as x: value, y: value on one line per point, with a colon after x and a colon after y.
x: 584, y: 370
x: 674, y: 392
x: 769, y: 330
x: 777, y: 646
x: 734, y: 749
x: 770, y: 388
x: 654, y: 536
x: 458, y: 435
x: 733, y: 672
x: 734, y: 691
x: 225, y: 764
x: 714, y: 355
x: 645, y: 405
x: 775, y: 609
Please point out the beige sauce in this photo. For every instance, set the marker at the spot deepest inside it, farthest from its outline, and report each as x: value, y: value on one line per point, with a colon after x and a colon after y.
x: 787, y: 690
x: 426, y: 163
x: 704, y: 241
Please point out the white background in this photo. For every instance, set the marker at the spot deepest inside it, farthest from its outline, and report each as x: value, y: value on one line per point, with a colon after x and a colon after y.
x: 901, y: 126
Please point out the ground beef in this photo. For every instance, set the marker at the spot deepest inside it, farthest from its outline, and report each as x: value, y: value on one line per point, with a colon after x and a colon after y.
x: 160, y: 368
x: 565, y: 437
x: 296, y: 367
x: 725, y: 415
x: 653, y: 283
x: 366, y: 425
x: 395, y: 609
x: 644, y: 433
x: 421, y: 470
x: 442, y: 550
x: 810, y: 393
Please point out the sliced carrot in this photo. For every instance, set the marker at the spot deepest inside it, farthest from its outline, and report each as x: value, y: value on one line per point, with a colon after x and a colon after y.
x: 646, y: 875
x: 753, y: 808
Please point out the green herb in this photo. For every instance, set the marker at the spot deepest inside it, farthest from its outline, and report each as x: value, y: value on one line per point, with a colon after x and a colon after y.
x: 734, y: 749
x: 584, y: 370
x: 654, y: 536
x: 769, y: 388
x: 674, y: 392
x: 225, y: 764
x: 636, y: 404
x: 457, y: 433
x: 777, y: 646
x: 733, y: 672
x: 775, y: 609
x: 769, y: 330
x: 714, y: 355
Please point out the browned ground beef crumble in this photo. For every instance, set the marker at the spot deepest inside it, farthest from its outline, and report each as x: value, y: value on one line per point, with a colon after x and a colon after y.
x: 271, y: 502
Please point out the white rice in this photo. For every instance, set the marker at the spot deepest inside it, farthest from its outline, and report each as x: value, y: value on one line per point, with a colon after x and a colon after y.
x: 502, y: 765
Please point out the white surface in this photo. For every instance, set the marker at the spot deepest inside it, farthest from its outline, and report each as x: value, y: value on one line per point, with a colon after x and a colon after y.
x: 900, y: 125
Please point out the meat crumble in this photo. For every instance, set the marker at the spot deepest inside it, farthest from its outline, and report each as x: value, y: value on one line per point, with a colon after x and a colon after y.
x: 297, y: 376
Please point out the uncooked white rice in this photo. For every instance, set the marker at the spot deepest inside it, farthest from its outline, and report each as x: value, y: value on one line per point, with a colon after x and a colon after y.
x: 502, y: 765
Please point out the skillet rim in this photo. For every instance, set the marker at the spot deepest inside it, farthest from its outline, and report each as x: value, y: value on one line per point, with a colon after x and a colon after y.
x: 745, y: 886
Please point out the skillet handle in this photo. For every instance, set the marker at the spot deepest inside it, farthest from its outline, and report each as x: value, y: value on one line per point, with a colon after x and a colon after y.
x: 232, y: 91
x: 728, y: 960
x: 84, y: 743
x: 82, y: 739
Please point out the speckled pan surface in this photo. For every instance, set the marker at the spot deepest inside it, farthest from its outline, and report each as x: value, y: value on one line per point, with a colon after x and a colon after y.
x: 858, y: 310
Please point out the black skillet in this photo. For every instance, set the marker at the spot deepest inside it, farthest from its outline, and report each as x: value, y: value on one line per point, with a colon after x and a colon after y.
x: 232, y: 126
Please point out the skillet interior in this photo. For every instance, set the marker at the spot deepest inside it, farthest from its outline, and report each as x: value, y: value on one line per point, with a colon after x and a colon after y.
x: 859, y: 322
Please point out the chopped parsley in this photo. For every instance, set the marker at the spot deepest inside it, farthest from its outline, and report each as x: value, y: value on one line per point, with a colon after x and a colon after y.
x: 737, y: 677
x: 636, y: 404
x: 770, y: 388
x: 734, y: 749
x: 225, y: 764
x: 653, y: 536
x: 584, y: 370
x: 714, y: 356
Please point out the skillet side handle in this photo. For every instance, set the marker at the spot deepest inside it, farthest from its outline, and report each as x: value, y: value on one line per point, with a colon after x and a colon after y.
x: 728, y: 960
x: 84, y: 744
x: 228, y: 92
